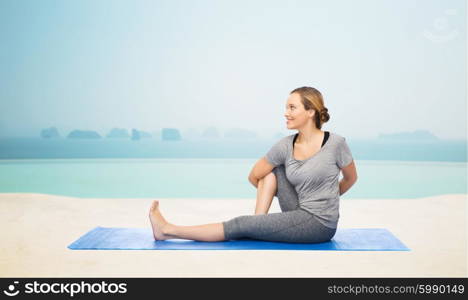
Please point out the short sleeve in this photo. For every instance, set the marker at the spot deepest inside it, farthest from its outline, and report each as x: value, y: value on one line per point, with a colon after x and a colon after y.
x: 278, y: 153
x: 344, y: 156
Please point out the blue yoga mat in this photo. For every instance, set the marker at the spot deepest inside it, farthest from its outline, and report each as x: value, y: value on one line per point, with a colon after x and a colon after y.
x: 360, y: 239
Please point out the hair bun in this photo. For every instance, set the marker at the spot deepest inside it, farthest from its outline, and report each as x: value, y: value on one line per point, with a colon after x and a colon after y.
x: 324, y: 116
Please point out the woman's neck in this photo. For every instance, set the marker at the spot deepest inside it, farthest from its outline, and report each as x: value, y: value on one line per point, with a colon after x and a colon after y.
x: 308, y: 136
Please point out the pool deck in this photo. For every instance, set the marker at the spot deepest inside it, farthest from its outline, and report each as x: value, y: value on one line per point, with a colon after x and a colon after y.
x: 37, y: 228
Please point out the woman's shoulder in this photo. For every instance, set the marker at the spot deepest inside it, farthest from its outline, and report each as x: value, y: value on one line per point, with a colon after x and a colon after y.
x: 337, y: 136
x: 337, y: 140
x: 286, y: 138
x: 284, y: 142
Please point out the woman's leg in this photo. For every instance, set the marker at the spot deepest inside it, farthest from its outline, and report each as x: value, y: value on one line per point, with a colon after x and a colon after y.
x: 285, y: 191
x: 215, y: 232
x: 266, y: 190
x: 287, y: 197
x: 292, y: 225
x: 276, y: 184
x: 295, y: 226
x: 163, y: 230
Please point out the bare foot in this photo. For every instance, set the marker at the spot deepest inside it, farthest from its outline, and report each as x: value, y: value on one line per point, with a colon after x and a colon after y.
x: 157, y: 222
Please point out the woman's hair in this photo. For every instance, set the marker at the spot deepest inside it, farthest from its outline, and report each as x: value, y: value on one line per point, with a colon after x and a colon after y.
x: 311, y: 98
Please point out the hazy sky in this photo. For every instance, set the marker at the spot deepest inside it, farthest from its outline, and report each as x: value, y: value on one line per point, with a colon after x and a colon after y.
x: 382, y: 66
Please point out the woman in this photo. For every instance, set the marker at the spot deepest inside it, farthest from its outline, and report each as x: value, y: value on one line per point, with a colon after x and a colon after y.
x: 301, y: 169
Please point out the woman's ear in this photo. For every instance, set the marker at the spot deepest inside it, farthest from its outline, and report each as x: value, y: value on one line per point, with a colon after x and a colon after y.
x: 311, y: 113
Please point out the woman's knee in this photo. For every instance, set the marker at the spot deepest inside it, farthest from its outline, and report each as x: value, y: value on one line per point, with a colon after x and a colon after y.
x: 240, y: 226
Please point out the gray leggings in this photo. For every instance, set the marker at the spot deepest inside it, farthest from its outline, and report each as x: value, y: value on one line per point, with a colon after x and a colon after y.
x: 292, y: 225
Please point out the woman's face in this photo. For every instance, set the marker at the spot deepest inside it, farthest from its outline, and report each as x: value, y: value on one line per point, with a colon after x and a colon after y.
x: 296, y: 115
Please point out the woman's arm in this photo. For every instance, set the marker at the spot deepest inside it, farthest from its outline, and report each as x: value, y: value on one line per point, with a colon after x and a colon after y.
x: 261, y: 169
x: 345, y: 185
x: 254, y: 181
x: 349, y: 177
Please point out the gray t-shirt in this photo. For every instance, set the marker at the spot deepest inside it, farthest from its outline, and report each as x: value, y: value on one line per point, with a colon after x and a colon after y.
x: 316, y: 179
